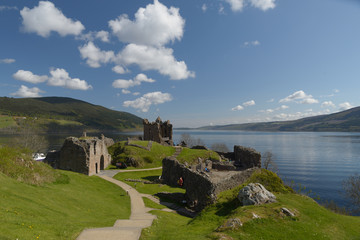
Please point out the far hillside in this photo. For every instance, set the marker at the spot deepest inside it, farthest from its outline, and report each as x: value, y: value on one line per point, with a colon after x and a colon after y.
x: 59, y: 114
x: 345, y: 121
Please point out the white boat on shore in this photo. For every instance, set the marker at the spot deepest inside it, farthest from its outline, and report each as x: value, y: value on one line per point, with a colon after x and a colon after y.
x: 39, y: 156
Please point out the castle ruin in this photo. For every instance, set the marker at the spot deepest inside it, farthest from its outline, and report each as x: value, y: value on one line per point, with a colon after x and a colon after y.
x: 158, y: 131
x: 85, y: 155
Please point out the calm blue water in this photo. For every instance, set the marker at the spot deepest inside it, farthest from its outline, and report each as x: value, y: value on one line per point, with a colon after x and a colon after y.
x: 318, y: 161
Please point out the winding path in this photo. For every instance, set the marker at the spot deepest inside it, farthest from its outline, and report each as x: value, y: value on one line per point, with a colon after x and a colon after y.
x: 126, y: 229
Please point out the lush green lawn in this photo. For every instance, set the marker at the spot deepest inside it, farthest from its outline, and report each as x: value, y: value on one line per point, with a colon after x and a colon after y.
x: 149, y: 176
x: 59, y: 211
x: 312, y: 221
x: 145, y: 159
x: 191, y: 155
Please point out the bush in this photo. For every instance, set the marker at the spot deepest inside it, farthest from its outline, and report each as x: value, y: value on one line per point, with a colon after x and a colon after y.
x: 352, y: 190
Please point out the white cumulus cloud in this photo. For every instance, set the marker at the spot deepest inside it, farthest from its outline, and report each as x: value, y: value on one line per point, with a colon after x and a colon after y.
x: 28, y: 76
x: 60, y: 77
x: 238, y: 5
x: 94, y: 56
x: 345, y: 106
x: 299, y: 97
x: 45, y: 18
x: 237, y: 108
x: 249, y: 103
x: 252, y: 43
x: 25, y: 91
x: 328, y: 104
x: 147, y: 100
x: 151, y: 58
x: 153, y: 25
x: 121, y: 83
x: 120, y: 69
x: 91, y: 36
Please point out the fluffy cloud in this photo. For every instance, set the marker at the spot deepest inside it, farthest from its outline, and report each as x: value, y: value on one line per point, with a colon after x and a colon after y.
x: 263, y: 4
x: 151, y: 58
x: 298, y: 115
x: 120, y: 69
x: 28, y: 76
x: 237, y: 108
x: 249, y: 103
x: 345, y: 106
x: 94, y: 56
x: 120, y: 83
x: 46, y: 18
x: 24, y: 91
x: 7, y: 60
x: 238, y: 5
x: 328, y: 104
x: 299, y: 97
x: 60, y: 77
x: 154, y: 25
x: 144, y: 103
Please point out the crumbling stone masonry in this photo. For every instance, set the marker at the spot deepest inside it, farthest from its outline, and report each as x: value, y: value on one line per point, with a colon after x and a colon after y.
x: 158, y: 131
x: 87, y: 156
x: 206, y: 179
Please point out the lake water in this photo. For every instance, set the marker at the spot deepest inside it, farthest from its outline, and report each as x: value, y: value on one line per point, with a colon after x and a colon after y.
x: 318, y: 161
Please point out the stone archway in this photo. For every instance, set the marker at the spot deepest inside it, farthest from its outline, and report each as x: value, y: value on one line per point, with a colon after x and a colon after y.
x: 96, y: 168
x: 102, y: 162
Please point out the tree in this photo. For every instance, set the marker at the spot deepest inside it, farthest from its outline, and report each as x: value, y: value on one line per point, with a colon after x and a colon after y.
x: 268, y: 162
x: 351, y: 186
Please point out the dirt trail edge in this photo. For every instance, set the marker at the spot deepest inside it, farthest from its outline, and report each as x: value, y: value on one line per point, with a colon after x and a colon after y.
x: 127, y: 229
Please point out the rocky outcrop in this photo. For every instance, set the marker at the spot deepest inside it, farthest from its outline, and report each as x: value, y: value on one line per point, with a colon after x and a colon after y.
x: 255, y: 194
x: 87, y: 156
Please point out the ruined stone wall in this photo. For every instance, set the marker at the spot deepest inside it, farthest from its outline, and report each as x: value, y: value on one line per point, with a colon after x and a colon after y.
x: 201, y: 187
x: 247, y: 157
x: 87, y: 156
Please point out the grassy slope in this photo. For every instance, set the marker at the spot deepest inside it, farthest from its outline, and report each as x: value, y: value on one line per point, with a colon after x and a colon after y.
x: 38, y: 202
x: 153, y: 158
x: 74, y: 112
x: 149, y: 176
x: 59, y: 211
x: 147, y: 159
x: 312, y: 221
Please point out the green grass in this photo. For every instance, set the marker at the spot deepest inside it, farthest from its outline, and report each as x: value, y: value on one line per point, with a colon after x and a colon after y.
x: 147, y: 188
x: 312, y: 221
x: 59, y: 211
x: 38, y: 202
x: 145, y: 159
x: 18, y: 164
x: 150, y: 204
x: 191, y: 155
x: 6, y: 121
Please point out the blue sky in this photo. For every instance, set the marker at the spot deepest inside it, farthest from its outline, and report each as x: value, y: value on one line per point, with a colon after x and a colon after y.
x: 196, y: 63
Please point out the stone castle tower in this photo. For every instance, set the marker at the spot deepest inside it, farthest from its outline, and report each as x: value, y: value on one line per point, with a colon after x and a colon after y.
x: 158, y: 131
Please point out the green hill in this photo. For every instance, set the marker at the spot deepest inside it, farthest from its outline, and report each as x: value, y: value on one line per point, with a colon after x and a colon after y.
x: 345, y: 121
x: 59, y: 114
x: 38, y: 202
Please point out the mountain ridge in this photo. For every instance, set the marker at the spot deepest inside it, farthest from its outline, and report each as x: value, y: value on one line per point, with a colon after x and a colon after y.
x: 63, y: 113
x: 344, y: 121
